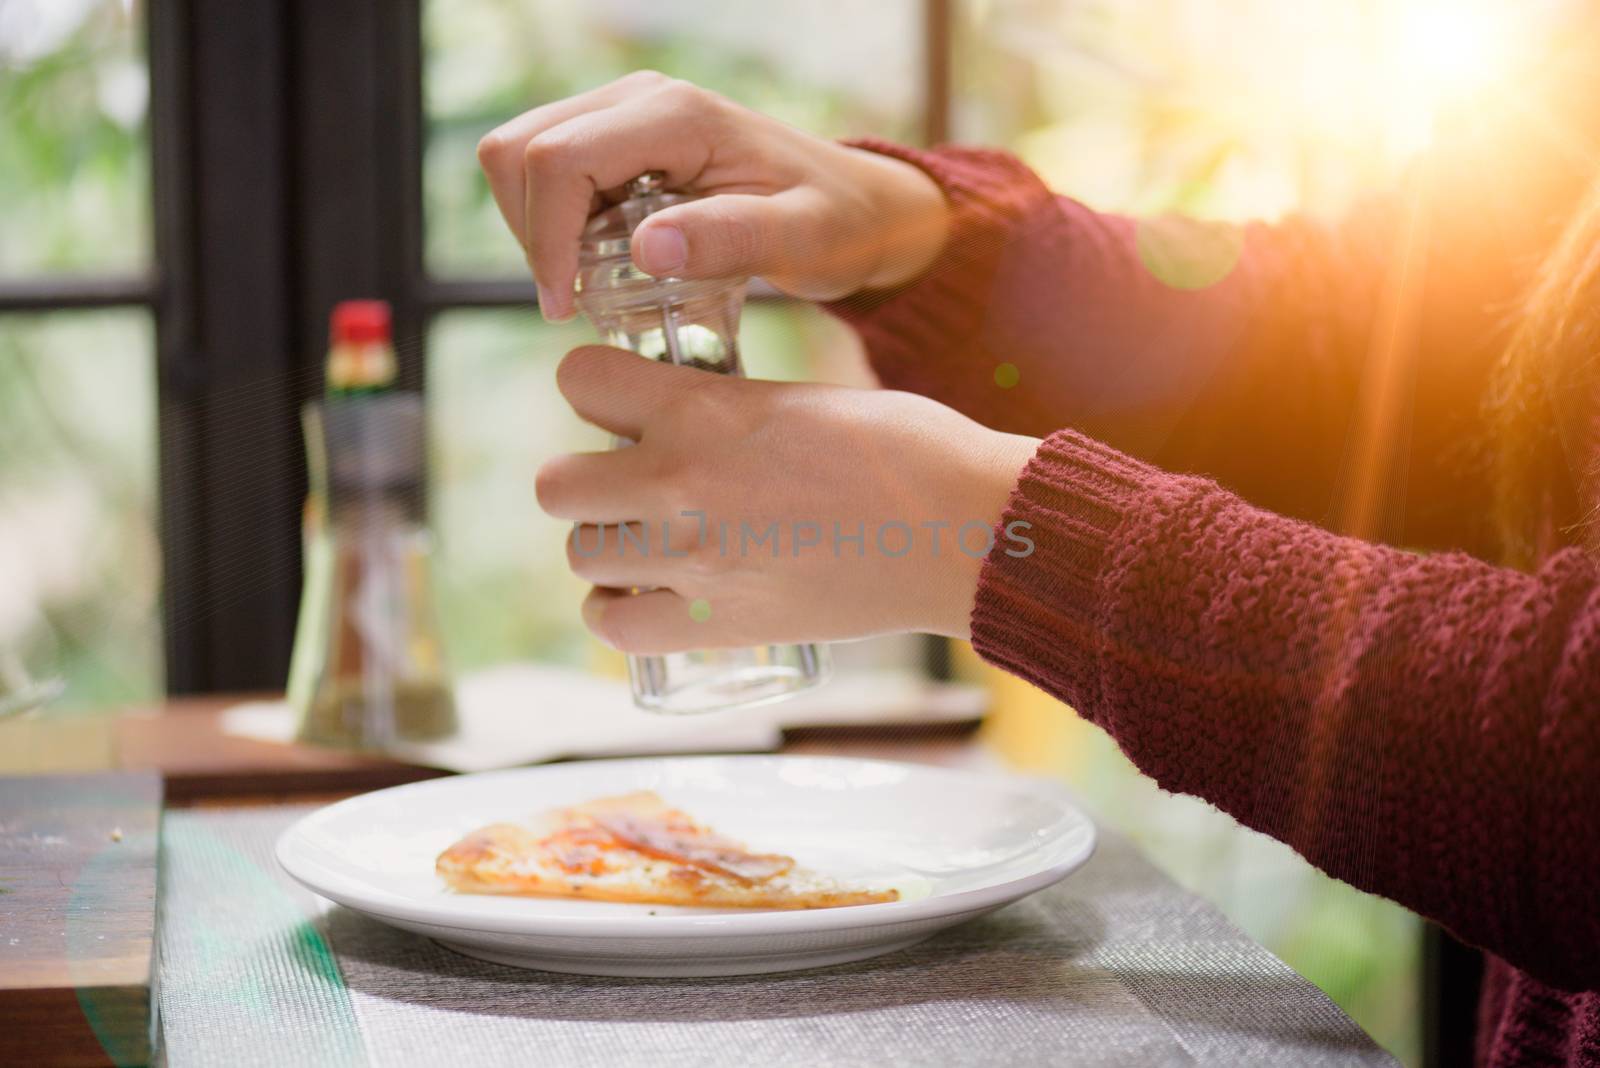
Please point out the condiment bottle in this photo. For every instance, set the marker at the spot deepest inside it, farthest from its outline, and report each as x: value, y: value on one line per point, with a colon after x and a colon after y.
x: 368, y: 670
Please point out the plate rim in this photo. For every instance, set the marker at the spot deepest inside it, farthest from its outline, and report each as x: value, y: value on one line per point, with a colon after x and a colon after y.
x: 384, y: 904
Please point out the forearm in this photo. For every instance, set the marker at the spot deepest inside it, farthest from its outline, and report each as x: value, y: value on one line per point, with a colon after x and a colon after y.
x: 1106, y: 317
x: 926, y: 336
x: 1421, y: 727
x: 1247, y: 353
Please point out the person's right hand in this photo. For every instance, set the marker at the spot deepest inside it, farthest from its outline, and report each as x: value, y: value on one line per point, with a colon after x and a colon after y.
x: 817, y: 219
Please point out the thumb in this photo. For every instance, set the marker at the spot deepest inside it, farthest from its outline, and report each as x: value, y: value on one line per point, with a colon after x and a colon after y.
x: 724, y: 236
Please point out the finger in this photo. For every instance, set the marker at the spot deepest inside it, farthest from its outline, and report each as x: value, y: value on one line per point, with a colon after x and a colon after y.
x: 631, y: 555
x: 567, y: 165
x: 729, y: 235
x: 500, y: 150
x: 601, y: 487
x: 619, y: 390
x: 655, y: 622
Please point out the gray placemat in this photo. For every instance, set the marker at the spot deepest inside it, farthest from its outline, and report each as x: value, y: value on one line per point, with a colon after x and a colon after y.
x: 1117, y: 965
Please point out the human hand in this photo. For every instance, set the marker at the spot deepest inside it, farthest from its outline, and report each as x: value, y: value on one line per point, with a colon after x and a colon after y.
x: 815, y: 218
x: 744, y: 501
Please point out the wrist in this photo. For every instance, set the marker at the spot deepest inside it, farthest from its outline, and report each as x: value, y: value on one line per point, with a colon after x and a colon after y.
x: 913, y: 219
x: 990, y: 475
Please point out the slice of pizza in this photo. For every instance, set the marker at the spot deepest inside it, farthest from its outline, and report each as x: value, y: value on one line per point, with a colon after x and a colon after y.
x: 636, y: 848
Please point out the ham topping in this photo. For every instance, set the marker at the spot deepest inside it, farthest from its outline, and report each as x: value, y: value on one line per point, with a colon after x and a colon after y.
x: 691, y: 845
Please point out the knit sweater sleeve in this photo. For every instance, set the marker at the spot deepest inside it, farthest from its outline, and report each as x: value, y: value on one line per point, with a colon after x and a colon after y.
x: 1422, y: 727
x: 1237, y: 351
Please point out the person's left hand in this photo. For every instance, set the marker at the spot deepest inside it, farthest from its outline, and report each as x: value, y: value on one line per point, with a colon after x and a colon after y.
x: 791, y: 512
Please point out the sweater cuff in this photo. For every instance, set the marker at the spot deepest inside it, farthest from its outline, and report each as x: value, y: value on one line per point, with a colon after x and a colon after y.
x: 992, y: 197
x: 1039, y: 613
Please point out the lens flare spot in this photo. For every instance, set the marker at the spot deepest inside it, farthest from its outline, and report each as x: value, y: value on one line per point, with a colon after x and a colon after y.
x: 1454, y: 46
x: 1188, y: 253
x: 700, y: 610
x: 1006, y: 375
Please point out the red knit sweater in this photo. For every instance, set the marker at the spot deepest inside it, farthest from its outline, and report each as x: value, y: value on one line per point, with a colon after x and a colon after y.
x: 1425, y: 727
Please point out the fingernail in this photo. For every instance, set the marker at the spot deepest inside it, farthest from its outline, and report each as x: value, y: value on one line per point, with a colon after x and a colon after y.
x: 548, y: 308
x: 662, y: 250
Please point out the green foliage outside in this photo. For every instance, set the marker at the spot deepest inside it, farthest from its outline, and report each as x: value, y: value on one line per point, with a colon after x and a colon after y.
x: 79, y: 565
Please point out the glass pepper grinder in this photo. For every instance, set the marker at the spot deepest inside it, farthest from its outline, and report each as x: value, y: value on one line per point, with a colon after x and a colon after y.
x: 694, y: 323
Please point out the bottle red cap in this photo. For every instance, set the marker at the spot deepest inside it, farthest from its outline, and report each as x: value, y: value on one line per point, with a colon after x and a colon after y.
x: 359, y: 322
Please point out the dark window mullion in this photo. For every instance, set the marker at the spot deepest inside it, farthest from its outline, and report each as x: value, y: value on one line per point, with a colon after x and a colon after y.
x: 63, y: 294
x: 359, y: 166
x: 232, y: 473
x: 937, y: 60
x: 443, y: 294
x: 400, y: 194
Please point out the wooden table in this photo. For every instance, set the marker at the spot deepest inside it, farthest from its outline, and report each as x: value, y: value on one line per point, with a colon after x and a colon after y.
x: 182, y: 740
x: 77, y: 917
x: 179, y: 747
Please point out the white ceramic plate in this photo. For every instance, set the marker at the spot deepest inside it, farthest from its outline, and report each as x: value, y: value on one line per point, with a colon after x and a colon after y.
x: 957, y: 844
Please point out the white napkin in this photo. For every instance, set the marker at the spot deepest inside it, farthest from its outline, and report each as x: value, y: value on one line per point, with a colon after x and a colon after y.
x: 527, y: 713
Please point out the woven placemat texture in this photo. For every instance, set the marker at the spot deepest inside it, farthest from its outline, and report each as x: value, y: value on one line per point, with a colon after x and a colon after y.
x: 1115, y: 966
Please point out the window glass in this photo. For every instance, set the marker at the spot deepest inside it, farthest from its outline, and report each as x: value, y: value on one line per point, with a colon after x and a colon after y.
x: 487, y: 60
x: 79, y: 559
x: 494, y: 416
x: 74, y: 167
x: 1243, y: 109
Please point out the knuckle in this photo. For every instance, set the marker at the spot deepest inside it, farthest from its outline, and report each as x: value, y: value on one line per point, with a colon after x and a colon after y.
x: 706, y: 563
x: 578, y: 562
x: 546, y: 154
x: 694, y: 406
x: 549, y: 485
x: 614, y: 625
x: 669, y: 483
x: 719, y: 410
x: 491, y: 149
x: 743, y: 241
x: 595, y: 619
x: 644, y: 78
x: 685, y: 96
